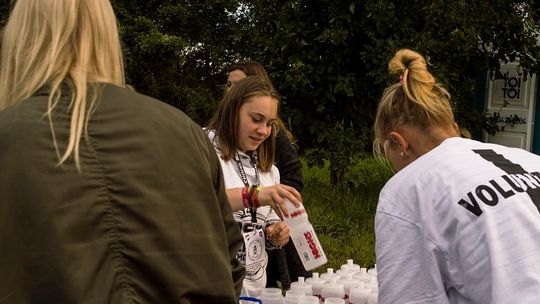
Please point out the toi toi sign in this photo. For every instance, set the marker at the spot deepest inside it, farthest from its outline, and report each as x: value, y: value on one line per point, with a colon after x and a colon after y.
x: 511, y: 88
x: 508, y: 88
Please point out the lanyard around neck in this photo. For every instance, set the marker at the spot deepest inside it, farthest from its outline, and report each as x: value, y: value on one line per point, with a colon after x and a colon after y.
x: 243, y: 176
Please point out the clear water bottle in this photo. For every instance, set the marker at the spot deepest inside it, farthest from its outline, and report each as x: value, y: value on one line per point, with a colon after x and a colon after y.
x: 304, y: 238
x: 328, y: 274
x: 302, y: 285
x: 351, y: 266
x: 359, y: 295
x: 272, y: 295
x: 349, y: 284
x: 317, y: 284
x: 309, y: 300
x: 333, y: 289
x: 272, y: 299
x: 293, y: 296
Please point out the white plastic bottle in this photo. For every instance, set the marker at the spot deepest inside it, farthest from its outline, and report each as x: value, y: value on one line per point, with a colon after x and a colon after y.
x: 328, y: 274
x: 272, y: 295
x: 333, y: 289
x: 293, y: 296
x: 302, y: 285
x: 348, y: 284
x: 359, y: 295
x: 272, y: 299
x: 304, y: 238
x: 309, y: 300
x: 351, y: 266
x: 317, y: 284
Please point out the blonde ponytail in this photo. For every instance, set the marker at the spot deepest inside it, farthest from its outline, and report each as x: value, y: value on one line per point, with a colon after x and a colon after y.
x: 417, y: 100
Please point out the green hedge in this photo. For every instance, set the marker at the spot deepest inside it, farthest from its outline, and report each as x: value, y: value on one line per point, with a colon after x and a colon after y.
x: 343, y: 217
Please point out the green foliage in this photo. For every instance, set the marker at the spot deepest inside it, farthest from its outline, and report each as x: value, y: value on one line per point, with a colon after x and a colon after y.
x: 343, y: 218
x: 371, y: 174
x: 176, y: 51
x: 328, y: 58
x: 342, y: 149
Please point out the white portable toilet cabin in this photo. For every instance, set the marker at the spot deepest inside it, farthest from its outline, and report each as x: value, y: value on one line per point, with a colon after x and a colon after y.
x: 515, y: 100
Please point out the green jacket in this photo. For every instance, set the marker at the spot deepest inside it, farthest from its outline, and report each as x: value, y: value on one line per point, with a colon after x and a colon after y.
x: 147, y: 219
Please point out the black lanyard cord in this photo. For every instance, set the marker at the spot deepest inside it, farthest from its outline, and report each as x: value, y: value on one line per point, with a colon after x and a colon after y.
x: 245, y: 181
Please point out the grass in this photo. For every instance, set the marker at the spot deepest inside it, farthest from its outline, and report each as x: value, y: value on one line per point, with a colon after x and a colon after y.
x: 343, y: 217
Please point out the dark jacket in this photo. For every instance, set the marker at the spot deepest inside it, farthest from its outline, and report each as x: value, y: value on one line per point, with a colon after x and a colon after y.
x: 288, y: 162
x: 146, y: 221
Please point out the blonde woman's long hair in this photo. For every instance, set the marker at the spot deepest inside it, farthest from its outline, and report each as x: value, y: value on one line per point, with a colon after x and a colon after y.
x: 55, y: 44
x: 417, y: 100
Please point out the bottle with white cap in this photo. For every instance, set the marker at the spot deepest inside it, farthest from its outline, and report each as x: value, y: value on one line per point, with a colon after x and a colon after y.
x: 272, y: 298
x: 372, y: 283
x: 348, y: 284
x: 344, y: 274
x: 359, y: 295
x: 332, y: 289
x: 293, y: 296
x: 317, y: 284
x: 362, y: 277
x: 351, y: 266
x: 328, y: 274
x: 301, y: 284
x: 272, y: 295
x: 304, y: 238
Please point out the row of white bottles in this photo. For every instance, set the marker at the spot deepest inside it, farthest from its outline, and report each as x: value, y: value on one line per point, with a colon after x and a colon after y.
x: 351, y: 284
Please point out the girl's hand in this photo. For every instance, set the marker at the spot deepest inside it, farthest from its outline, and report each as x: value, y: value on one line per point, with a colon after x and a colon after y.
x: 278, y: 233
x: 274, y: 196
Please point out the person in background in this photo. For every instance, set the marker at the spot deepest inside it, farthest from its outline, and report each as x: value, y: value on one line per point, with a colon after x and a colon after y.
x: 242, y: 131
x: 459, y: 221
x: 283, y: 265
x: 108, y: 196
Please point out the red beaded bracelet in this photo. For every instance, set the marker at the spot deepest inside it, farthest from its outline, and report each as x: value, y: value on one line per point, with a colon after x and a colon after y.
x: 245, y: 197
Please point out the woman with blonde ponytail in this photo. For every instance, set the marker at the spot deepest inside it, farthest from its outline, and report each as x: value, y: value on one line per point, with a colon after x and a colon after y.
x: 108, y: 196
x: 459, y: 221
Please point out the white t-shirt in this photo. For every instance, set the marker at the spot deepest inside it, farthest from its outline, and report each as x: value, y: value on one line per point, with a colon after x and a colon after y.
x: 461, y: 224
x: 255, y: 280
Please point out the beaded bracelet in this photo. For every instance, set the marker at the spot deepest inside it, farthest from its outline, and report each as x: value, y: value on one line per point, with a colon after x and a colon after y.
x: 255, y: 196
x: 245, y: 197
